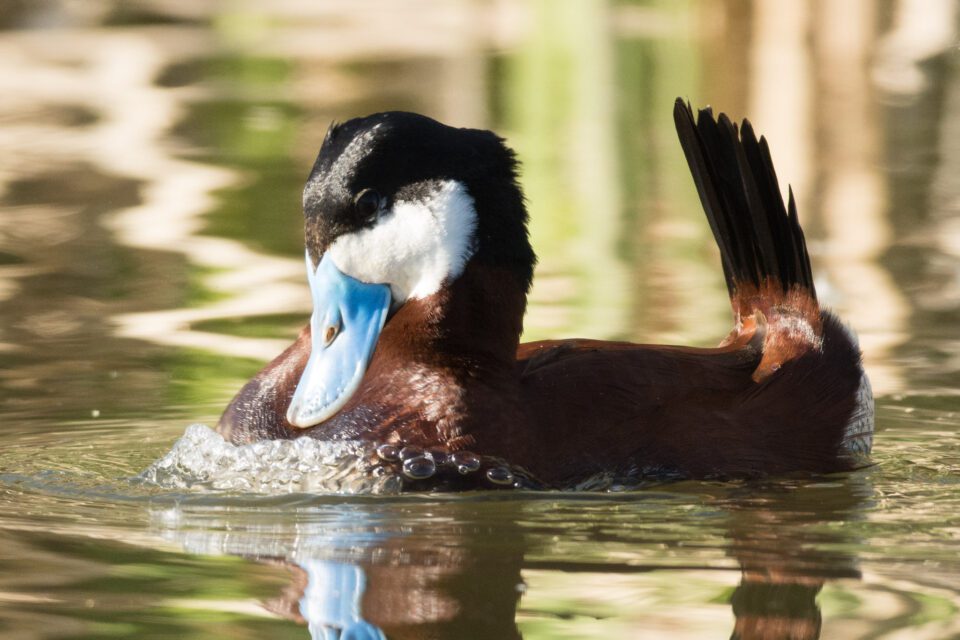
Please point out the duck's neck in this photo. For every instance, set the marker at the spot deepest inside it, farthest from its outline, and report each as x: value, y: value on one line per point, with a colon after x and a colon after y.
x: 444, y: 370
x: 472, y: 324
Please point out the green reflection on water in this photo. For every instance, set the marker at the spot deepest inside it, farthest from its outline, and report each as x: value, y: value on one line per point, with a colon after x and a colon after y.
x: 255, y: 138
x: 203, y: 597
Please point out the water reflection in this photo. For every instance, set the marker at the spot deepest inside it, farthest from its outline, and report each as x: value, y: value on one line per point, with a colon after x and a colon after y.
x: 787, y: 553
x: 409, y: 568
x: 458, y: 568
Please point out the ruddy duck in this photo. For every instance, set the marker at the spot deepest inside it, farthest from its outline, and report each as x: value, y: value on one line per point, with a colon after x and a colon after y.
x: 419, y: 265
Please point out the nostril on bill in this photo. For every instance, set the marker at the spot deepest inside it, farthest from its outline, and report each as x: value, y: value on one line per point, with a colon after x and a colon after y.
x: 330, y: 334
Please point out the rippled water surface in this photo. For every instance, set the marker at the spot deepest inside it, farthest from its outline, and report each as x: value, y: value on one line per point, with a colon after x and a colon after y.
x: 151, y: 159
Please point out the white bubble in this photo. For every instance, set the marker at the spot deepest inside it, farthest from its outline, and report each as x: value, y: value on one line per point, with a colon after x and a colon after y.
x: 202, y: 460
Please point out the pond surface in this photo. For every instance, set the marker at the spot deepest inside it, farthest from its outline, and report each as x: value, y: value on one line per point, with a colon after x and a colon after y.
x: 151, y: 159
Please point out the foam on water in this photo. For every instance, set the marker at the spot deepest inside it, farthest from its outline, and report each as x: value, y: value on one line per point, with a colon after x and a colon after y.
x: 202, y: 459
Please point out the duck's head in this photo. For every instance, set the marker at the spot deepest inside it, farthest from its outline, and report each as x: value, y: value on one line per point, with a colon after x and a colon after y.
x: 396, y: 208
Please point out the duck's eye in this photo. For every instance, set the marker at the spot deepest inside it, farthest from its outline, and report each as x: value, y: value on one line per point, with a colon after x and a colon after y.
x: 367, y: 203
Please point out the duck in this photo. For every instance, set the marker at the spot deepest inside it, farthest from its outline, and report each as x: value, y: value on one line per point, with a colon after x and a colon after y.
x: 419, y: 263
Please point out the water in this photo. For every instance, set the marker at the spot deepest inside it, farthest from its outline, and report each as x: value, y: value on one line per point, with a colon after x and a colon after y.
x: 151, y: 158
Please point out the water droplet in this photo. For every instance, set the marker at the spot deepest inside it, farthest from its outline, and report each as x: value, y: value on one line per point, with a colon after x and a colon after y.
x: 419, y: 468
x: 466, y: 461
x: 500, y: 476
x: 388, y: 452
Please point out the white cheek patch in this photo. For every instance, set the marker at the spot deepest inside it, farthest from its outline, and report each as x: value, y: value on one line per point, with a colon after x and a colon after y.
x: 415, y: 246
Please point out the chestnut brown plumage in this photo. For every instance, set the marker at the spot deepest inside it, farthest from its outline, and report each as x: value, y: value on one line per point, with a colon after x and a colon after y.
x: 784, y: 392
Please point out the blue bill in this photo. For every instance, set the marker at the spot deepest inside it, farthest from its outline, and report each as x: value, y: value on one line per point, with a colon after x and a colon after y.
x: 346, y: 322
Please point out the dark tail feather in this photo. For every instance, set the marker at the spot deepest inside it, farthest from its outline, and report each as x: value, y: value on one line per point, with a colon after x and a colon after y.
x: 767, y: 269
x: 760, y: 240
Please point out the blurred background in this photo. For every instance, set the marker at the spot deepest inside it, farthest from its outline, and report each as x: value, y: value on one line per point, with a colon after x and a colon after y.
x: 152, y: 155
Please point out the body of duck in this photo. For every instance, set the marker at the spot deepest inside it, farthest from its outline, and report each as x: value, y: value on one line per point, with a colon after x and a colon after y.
x: 419, y: 264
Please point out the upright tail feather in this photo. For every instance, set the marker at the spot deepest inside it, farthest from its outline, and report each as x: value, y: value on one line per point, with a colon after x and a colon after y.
x: 767, y: 269
x: 759, y: 239
x: 764, y: 254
